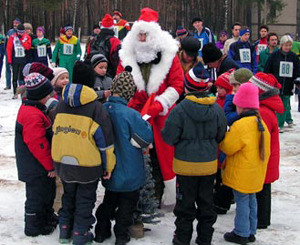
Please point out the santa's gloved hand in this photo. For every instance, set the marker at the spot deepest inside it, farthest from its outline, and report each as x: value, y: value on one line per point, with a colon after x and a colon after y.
x: 155, y: 109
x: 169, y: 196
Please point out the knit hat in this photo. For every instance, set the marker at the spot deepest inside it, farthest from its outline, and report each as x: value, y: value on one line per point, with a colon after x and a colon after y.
x: 223, y: 81
x: 57, y: 72
x: 265, y: 82
x: 197, y: 78
x: 107, y: 22
x: 247, y: 96
x: 20, y: 28
x: 39, y: 68
x: 62, y: 31
x: 243, y: 31
x: 97, y: 58
x: 38, y: 86
x: 241, y: 75
x: 191, y: 46
x: 17, y: 20
x: 83, y: 73
x: 123, y: 84
x: 196, y: 19
x: 68, y: 27
x: 148, y: 15
x: 28, y: 26
x: 223, y: 32
x: 181, y: 31
x: 210, y: 53
x: 117, y: 12
x: 41, y: 29
x: 96, y: 26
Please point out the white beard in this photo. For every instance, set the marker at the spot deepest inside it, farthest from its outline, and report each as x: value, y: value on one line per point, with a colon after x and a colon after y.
x: 145, y: 51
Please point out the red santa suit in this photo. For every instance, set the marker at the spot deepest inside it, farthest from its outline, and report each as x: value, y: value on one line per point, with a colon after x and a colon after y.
x: 165, y: 84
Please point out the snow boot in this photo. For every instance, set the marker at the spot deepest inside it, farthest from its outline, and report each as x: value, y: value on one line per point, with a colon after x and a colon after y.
x: 34, y: 226
x: 122, y: 240
x: 137, y: 230
x: 252, y: 238
x: 52, y: 219
x: 101, y: 237
x: 83, y: 238
x: 65, y: 234
x: 234, y: 238
x: 176, y: 241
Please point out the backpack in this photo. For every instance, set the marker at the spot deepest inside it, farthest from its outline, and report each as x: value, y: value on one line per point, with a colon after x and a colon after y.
x: 101, y: 46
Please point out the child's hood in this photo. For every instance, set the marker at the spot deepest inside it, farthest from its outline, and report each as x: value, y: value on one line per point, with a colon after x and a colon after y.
x: 76, y: 95
x: 200, y: 109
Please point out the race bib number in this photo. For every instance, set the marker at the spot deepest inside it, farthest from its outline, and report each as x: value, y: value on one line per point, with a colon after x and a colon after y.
x: 201, y: 43
x: 68, y: 49
x: 245, y: 55
x: 116, y: 31
x: 260, y: 48
x: 41, y: 50
x: 19, y: 52
x: 286, y: 69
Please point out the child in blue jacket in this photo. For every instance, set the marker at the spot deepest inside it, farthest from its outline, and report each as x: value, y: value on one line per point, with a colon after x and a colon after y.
x: 132, y: 134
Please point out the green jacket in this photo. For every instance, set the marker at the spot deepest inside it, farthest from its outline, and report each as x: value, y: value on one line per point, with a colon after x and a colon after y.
x: 67, y: 48
x: 263, y: 57
x: 296, y: 48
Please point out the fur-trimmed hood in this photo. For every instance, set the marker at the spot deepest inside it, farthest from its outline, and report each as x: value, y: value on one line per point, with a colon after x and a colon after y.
x: 163, y: 43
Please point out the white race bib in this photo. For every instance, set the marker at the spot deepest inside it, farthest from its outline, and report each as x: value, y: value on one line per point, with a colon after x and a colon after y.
x: 201, y: 43
x: 260, y: 48
x: 68, y: 49
x: 41, y: 50
x: 286, y: 69
x: 116, y: 31
x: 245, y: 55
x: 19, y: 51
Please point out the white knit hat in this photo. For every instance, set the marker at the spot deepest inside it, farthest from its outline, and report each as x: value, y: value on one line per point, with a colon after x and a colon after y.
x: 57, y: 72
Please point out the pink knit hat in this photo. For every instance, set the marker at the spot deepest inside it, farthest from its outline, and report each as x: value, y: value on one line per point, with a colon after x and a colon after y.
x: 247, y: 96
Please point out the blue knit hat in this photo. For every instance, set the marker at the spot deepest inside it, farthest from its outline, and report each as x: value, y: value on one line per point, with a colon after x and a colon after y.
x: 243, y: 31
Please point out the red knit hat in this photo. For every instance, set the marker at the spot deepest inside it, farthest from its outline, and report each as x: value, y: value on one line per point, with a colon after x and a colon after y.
x: 62, y: 31
x: 117, y: 12
x: 107, y: 22
x: 148, y: 15
x: 39, y: 68
x: 265, y: 82
x: 223, y: 81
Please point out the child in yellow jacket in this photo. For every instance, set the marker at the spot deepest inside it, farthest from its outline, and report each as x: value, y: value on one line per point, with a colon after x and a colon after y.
x: 247, y: 146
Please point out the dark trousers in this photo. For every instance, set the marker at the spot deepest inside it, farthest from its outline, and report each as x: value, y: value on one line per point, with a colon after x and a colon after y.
x: 118, y: 205
x: 40, y: 195
x: 78, y: 202
x: 1, y: 62
x: 17, y: 75
x: 8, y: 74
x: 223, y: 195
x: 264, y: 206
x: 192, y: 191
x: 157, y: 175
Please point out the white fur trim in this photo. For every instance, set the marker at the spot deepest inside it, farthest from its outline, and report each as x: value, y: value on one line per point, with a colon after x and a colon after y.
x: 164, y: 43
x: 169, y: 196
x: 167, y: 99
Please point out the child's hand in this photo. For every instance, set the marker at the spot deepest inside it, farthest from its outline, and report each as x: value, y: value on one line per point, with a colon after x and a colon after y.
x: 52, y: 174
x: 106, y: 175
x: 107, y: 93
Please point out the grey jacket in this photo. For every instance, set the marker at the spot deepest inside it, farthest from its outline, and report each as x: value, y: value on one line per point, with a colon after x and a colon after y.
x: 102, y: 84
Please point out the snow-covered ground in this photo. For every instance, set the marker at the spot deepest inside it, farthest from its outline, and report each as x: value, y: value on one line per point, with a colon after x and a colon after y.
x: 285, y: 228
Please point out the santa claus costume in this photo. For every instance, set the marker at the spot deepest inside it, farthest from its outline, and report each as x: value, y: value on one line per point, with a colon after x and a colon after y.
x: 159, y: 77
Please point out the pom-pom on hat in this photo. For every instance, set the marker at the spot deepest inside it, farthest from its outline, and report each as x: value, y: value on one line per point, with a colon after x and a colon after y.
x: 265, y: 82
x: 148, y: 15
x: 210, y: 53
x: 247, y: 96
x: 38, y: 86
x: 197, y: 78
x: 98, y: 58
x: 223, y: 81
x: 83, y: 73
x: 107, y: 22
x: 241, y: 75
x: 57, y: 72
x: 191, y: 46
x: 123, y: 84
x: 39, y: 68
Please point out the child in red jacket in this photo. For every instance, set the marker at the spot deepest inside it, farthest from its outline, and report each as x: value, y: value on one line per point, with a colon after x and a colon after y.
x: 33, y: 154
x: 270, y: 104
x: 17, y: 44
x: 223, y: 87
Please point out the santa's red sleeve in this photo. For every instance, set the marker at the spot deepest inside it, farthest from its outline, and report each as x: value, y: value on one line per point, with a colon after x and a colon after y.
x: 9, y: 49
x: 174, y: 84
x: 26, y: 42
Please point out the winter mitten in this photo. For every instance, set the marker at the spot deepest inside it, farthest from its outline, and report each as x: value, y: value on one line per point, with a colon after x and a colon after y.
x: 169, y: 196
x: 155, y: 109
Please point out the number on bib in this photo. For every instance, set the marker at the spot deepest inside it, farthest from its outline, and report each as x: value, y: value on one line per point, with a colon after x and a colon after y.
x: 68, y: 49
x: 41, y: 50
x: 245, y: 55
x: 116, y: 31
x: 286, y: 69
x: 19, y: 52
x: 260, y: 48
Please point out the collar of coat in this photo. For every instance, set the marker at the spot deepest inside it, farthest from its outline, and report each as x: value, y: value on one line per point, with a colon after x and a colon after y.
x: 72, y: 40
x: 165, y: 43
x: 201, y: 98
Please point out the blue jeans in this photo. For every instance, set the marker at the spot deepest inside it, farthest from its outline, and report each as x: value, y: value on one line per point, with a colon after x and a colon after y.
x: 245, y: 221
